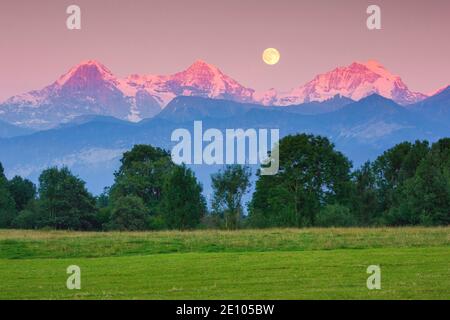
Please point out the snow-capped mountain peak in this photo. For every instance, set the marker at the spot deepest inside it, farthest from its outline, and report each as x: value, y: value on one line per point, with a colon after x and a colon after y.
x: 90, y: 88
x: 85, y: 74
x: 87, y: 71
x: 200, y: 66
x: 206, y: 80
x: 201, y: 76
x: 378, y: 68
x: 356, y: 81
x: 199, y: 79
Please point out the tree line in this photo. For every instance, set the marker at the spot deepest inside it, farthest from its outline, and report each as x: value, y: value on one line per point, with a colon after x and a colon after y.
x: 408, y: 184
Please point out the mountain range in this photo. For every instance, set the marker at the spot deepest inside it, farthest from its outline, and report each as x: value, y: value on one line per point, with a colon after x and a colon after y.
x: 88, y: 117
x: 90, y: 88
x: 91, y: 146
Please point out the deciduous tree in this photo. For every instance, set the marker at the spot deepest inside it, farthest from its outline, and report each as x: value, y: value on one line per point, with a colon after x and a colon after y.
x: 229, y: 187
x: 183, y: 204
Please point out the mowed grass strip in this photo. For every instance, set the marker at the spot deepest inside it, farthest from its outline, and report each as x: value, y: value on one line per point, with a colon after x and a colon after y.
x: 406, y: 273
x: 18, y: 244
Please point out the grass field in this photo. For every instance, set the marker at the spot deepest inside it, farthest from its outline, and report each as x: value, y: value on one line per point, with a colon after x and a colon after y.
x: 246, y: 264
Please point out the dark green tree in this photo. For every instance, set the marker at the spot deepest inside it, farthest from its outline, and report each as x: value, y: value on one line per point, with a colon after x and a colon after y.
x: 22, y: 190
x: 3, y: 179
x: 364, y: 200
x: 129, y: 213
x: 335, y: 215
x: 183, y: 204
x: 64, y: 201
x: 394, y: 167
x: 30, y: 217
x: 425, y: 198
x: 312, y: 174
x: 102, y: 200
x: 142, y: 174
x: 104, y: 209
x: 7, y: 204
x: 229, y: 186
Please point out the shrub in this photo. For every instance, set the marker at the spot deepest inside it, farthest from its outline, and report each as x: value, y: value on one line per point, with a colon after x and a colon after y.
x: 128, y: 213
x: 335, y: 216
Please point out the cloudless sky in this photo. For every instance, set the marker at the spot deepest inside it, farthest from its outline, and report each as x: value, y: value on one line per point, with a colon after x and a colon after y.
x: 166, y: 36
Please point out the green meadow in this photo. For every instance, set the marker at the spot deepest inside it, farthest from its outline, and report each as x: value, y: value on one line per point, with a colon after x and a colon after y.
x: 245, y: 264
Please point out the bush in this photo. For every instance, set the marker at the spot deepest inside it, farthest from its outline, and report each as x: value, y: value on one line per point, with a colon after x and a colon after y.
x: 27, y: 219
x: 128, y: 213
x: 156, y: 223
x: 335, y: 216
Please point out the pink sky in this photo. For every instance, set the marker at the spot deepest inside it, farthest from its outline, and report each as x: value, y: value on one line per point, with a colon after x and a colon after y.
x: 166, y: 36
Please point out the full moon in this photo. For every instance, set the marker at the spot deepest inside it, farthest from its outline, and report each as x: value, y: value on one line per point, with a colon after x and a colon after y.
x: 271, y: 56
